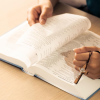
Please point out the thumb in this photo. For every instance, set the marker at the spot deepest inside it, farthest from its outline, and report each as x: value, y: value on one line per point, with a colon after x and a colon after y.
x: 85, y: 49
x: 43, y: 16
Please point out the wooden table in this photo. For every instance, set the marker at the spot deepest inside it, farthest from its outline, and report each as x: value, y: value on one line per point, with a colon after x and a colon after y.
x: 16, y: 85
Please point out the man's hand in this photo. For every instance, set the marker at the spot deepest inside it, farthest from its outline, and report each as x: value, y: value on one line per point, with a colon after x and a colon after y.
x: 39, y: 13
x: 81, y: 57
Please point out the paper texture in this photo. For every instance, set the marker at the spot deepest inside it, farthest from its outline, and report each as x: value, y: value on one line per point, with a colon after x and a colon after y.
x: 13, y: 50
x: 55, y: 63
x: 58, y: 31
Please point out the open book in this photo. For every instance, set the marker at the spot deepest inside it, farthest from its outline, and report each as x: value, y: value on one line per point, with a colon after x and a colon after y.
x: 40, y: 50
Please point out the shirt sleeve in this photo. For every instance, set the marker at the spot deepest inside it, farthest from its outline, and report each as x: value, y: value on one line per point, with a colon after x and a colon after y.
x: 94, y: 7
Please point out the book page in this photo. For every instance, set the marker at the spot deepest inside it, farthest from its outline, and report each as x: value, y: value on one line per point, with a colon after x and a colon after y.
x: 11, y: 49
x: 88, y: 39
x: 58, y: 31
x: 55, y: 63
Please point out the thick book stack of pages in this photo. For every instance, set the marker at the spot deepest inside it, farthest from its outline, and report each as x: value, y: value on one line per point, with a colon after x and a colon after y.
x: 40, y: 50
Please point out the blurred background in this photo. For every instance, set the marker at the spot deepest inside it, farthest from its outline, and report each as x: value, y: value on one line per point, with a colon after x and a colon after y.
x: 11, y: 15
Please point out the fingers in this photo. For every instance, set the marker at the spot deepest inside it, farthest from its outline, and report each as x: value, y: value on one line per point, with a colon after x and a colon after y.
x: 82, y: 56
x: 79, y: 63
x: 93, y: 76
x: 91, y: 73
x: 33, y: 15
x: 93, y: 66
x: 46, y: 12
x: 39, y: 14
x: 43, y: 16
x: 86, y: 49
x: 77, y: 68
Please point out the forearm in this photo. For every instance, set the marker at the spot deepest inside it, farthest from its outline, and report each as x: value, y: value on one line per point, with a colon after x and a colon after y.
x: 52, y: 1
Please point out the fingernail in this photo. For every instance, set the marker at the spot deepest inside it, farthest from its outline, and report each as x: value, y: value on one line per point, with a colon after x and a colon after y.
x: 74, y: 49
x: 75, y: 54
x: 77, y: 49
x: 42, y: 21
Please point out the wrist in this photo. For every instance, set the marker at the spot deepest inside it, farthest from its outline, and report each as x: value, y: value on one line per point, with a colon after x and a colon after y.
x: 48, y: 2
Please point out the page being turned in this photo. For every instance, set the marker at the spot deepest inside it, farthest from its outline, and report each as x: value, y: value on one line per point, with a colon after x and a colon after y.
x: 58, y: 31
